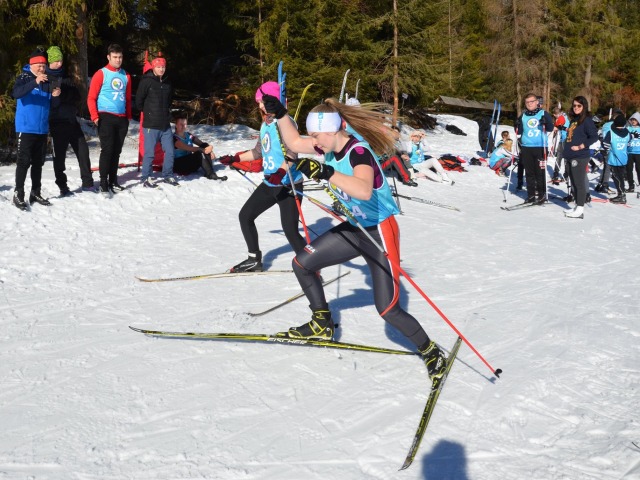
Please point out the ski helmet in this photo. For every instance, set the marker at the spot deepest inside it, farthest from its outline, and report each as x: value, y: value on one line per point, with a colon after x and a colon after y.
x: 268, y: 88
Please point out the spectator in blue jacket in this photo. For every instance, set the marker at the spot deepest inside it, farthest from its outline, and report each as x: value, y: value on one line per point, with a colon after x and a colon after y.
x: 34, y: 94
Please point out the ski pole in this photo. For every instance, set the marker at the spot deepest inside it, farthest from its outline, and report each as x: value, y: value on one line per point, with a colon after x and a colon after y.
x: 395, y: 189
x: 396, y: 264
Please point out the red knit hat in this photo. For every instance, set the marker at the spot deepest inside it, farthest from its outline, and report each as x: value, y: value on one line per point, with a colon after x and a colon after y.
x: 38, y: 56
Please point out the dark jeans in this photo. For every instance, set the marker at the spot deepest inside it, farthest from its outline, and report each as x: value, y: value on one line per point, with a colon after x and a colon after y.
x: 533, y: 159
x: 262, y: 199
x: 188, y: 164
x: 31, y: 151
x: 63, y: 135
x: 112, y: 130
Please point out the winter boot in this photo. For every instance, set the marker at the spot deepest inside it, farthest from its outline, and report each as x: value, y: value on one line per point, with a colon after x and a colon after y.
x: 149, y: 184
x: 65, y: 192
x: 116, y: 187
x: 104, y: 189
x: 18, y: 201
x: 621, y: 198
x: 171, y: 181
x: 35, y: 197
x: 434, y: 360
x: 320, y: 327
x: 252, y: 264
x: 213, y: 176
x: 578, y: 212
x: 531, y: 199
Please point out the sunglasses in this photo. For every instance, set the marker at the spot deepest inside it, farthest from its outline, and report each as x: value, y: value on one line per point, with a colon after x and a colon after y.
x: 577, y: 105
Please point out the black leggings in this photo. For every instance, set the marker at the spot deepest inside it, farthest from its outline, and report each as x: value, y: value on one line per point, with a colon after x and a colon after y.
x: 262, y: 199
x: 578, y: 174
x: 345, y: 242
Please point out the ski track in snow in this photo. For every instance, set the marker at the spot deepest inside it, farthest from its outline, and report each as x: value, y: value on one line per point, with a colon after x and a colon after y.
x: 554, y: 302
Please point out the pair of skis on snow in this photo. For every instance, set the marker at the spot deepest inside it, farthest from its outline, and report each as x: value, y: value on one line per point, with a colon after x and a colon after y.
x: 432, y: 398
x: 284, y: 339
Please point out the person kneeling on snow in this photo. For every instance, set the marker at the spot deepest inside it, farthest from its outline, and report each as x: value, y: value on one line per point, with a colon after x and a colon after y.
x: 191, y: 153
x: 431, y: 168
x: 502, y: 157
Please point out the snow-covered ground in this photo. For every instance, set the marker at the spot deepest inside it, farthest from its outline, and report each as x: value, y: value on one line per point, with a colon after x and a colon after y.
x: 552, y: 301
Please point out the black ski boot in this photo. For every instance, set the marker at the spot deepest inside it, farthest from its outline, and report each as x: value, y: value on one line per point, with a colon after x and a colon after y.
x: 319, y: 328
x: 252, y: 264
x: 35, y: 197
x: 434, y: 359
x: 621, y: 198
x: 18, y: 201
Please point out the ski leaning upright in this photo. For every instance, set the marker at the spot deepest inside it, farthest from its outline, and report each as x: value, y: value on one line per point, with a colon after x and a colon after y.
x: 434, y: 394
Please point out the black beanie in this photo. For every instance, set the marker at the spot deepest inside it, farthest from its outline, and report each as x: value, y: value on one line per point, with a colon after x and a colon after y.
x: 619, y: 121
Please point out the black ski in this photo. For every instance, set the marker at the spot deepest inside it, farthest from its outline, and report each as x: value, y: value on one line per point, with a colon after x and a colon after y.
x: 428, y: 202
x: 296, y: 296
x: 213, y: 275
x: 273, y: 339
x: 434, y: 394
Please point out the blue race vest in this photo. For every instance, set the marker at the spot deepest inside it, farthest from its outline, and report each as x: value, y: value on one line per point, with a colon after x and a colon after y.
x: 112, y: 96
x: 634, y: 143
x: 273, y: 155
x: 618, y: 153
x: 370, y: 212
x: 417, y: 154
x: 187, y: 140
x: 532, y: 134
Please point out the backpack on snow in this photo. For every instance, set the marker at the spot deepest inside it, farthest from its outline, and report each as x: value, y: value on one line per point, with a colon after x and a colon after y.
x: 452, y: 163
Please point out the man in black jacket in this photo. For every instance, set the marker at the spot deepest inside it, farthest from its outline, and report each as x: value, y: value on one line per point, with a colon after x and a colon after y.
x: 64, y: 127
x: 153, y: 99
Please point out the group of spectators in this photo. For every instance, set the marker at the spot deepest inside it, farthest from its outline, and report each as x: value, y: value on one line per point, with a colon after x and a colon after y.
x: 574, y: 136
x: 47, y: 103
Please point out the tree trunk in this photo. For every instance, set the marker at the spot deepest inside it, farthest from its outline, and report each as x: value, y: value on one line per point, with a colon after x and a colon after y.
x: 516, y: 57
x: 394, y: 117
x: 80, y: 61
x: 587, y: 81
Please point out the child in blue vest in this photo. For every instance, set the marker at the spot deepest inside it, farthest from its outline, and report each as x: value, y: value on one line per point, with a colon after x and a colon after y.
x: 633, y: 150
x: 502, y: 157
x: 616, y: 142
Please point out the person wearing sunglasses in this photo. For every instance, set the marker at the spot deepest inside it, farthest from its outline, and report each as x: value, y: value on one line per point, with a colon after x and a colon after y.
x: 581, y: 134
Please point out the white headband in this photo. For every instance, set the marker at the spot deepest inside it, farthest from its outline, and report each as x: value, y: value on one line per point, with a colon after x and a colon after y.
x: 324, y: 122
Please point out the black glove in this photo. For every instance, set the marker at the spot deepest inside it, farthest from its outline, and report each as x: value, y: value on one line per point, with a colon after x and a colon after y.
x: 276, y: 178
x: 227, y: 159
x: 273, y: 105
x: 635, y: 134
x: 314, y: 169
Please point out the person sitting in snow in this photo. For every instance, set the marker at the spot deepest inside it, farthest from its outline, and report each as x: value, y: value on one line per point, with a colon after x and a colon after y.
x: 395, y: 163
x: 502, y: 157
x: 191, y: 153
x: 431, y: 168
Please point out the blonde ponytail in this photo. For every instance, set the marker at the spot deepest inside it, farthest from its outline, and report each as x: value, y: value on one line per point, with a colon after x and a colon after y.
x: 367, y: 119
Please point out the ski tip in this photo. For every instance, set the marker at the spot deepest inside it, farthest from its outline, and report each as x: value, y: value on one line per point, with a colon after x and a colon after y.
x: 498, y: 372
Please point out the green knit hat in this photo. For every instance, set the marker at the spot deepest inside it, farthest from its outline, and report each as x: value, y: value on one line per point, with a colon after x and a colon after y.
x: 54, y: 54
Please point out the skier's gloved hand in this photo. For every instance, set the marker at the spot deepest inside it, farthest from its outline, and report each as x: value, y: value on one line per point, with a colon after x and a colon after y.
x: 276, y: 178
x: 273, y: 105
x: 635, y: 134
x: 314, y: 169
x: 227, y: 159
